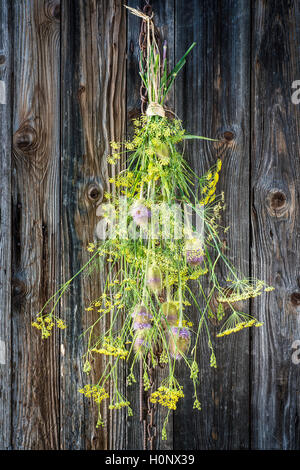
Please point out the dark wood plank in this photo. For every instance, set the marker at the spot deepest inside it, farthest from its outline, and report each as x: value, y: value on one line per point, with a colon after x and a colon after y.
x: 5, y: 224
x: 164, y: 18
x: 35, y: 220
x: 275, y: 219
x: 212, y: 99
x: 93, y: 111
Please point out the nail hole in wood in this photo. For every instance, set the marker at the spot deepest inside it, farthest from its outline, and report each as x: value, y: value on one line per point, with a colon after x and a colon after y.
x: 81, y: 91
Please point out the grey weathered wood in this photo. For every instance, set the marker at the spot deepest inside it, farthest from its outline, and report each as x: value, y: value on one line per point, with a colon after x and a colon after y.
x: 212, y: 99
x: 164, y: 18
x: 93, y: 108
x: 5, y: 225
x: 275, y: 398
x: 35, y: 221
x: 59, y: 122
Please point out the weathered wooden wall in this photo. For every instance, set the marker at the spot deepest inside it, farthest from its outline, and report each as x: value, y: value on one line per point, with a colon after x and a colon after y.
x: 70, y: 69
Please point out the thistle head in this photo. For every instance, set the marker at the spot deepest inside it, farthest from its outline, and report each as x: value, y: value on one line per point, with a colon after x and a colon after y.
x: 194, y: 252
x: 141, y: 314
x: 141, y: 319
x: 179, y: 341
x: 140, y: 213
x: 141, y: 343
x: 170, y: 314
x: 154, y: 279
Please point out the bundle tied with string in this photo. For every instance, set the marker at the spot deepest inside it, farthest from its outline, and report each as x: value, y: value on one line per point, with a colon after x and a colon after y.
x: 155, y: 307
x: 155, y: 107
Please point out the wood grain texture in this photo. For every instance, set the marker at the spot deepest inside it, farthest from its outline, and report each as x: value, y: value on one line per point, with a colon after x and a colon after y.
x: 35, y: 222
x: 212, y: 99
x: 5, y: 226
x: 93, y: 114
x: 134, y: 436
x: 64, y: 66
x: 275, y: 221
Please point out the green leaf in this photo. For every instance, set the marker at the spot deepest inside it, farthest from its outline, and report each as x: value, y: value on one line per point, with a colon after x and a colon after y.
x: 172, y: 75
x: 189, y: 136
x: 144, y: 79
x: 181, y: 62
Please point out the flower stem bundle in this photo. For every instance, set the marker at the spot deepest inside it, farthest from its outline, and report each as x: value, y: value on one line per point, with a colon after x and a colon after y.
x: 160, y: 237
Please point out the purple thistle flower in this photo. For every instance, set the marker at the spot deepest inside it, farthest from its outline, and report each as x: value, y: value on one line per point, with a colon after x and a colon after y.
x: 140, y: 313
x: 170, y: 314
x: 194, y: 252
x: 139, y: 341
x: 140, y: 213
x: 141, y: 326
x: 179, y: 341
x: 194, y: 257
x: 181, y: 332
x: 154, y: 279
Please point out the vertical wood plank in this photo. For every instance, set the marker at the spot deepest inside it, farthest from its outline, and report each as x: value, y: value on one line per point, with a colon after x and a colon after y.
x: 212, y: 99
x: 164, y: 18
x: 5, y: 224
x: 275, y: 220
x: 35, y: 222
x: 93, y: 107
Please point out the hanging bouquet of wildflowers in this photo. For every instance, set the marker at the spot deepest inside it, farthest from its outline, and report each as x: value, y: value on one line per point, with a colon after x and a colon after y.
x: 160, y: 236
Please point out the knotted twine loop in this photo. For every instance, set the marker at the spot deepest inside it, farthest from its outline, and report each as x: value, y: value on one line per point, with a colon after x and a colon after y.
x: 155, y: 109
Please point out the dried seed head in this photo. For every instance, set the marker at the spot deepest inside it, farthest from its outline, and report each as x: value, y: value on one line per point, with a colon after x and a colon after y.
x: 154, y: 279
x: 170, y: 314
x: 140, y: 213
x: 179, y: 341
x: 141, y: 342
x: 141, y: 314
x: 194, y: 252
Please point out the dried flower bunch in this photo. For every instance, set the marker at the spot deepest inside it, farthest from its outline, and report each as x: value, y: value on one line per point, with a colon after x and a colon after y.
x: 160, y: 237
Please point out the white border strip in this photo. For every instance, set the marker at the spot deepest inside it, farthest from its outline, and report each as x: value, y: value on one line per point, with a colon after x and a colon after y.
x: 2, y: 92
x: 2, y: 352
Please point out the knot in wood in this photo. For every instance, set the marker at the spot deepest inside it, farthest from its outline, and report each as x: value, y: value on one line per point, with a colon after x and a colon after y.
x: 229, y: 136
x: 25, y: 139
x: 277, y: 203
x: 277, y: 200
x: 295, y: 299
x: 2, y: 59
x: 56, y: 11
x: 52, y: 9
x: 94, y: 192
x: 18, y: 289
